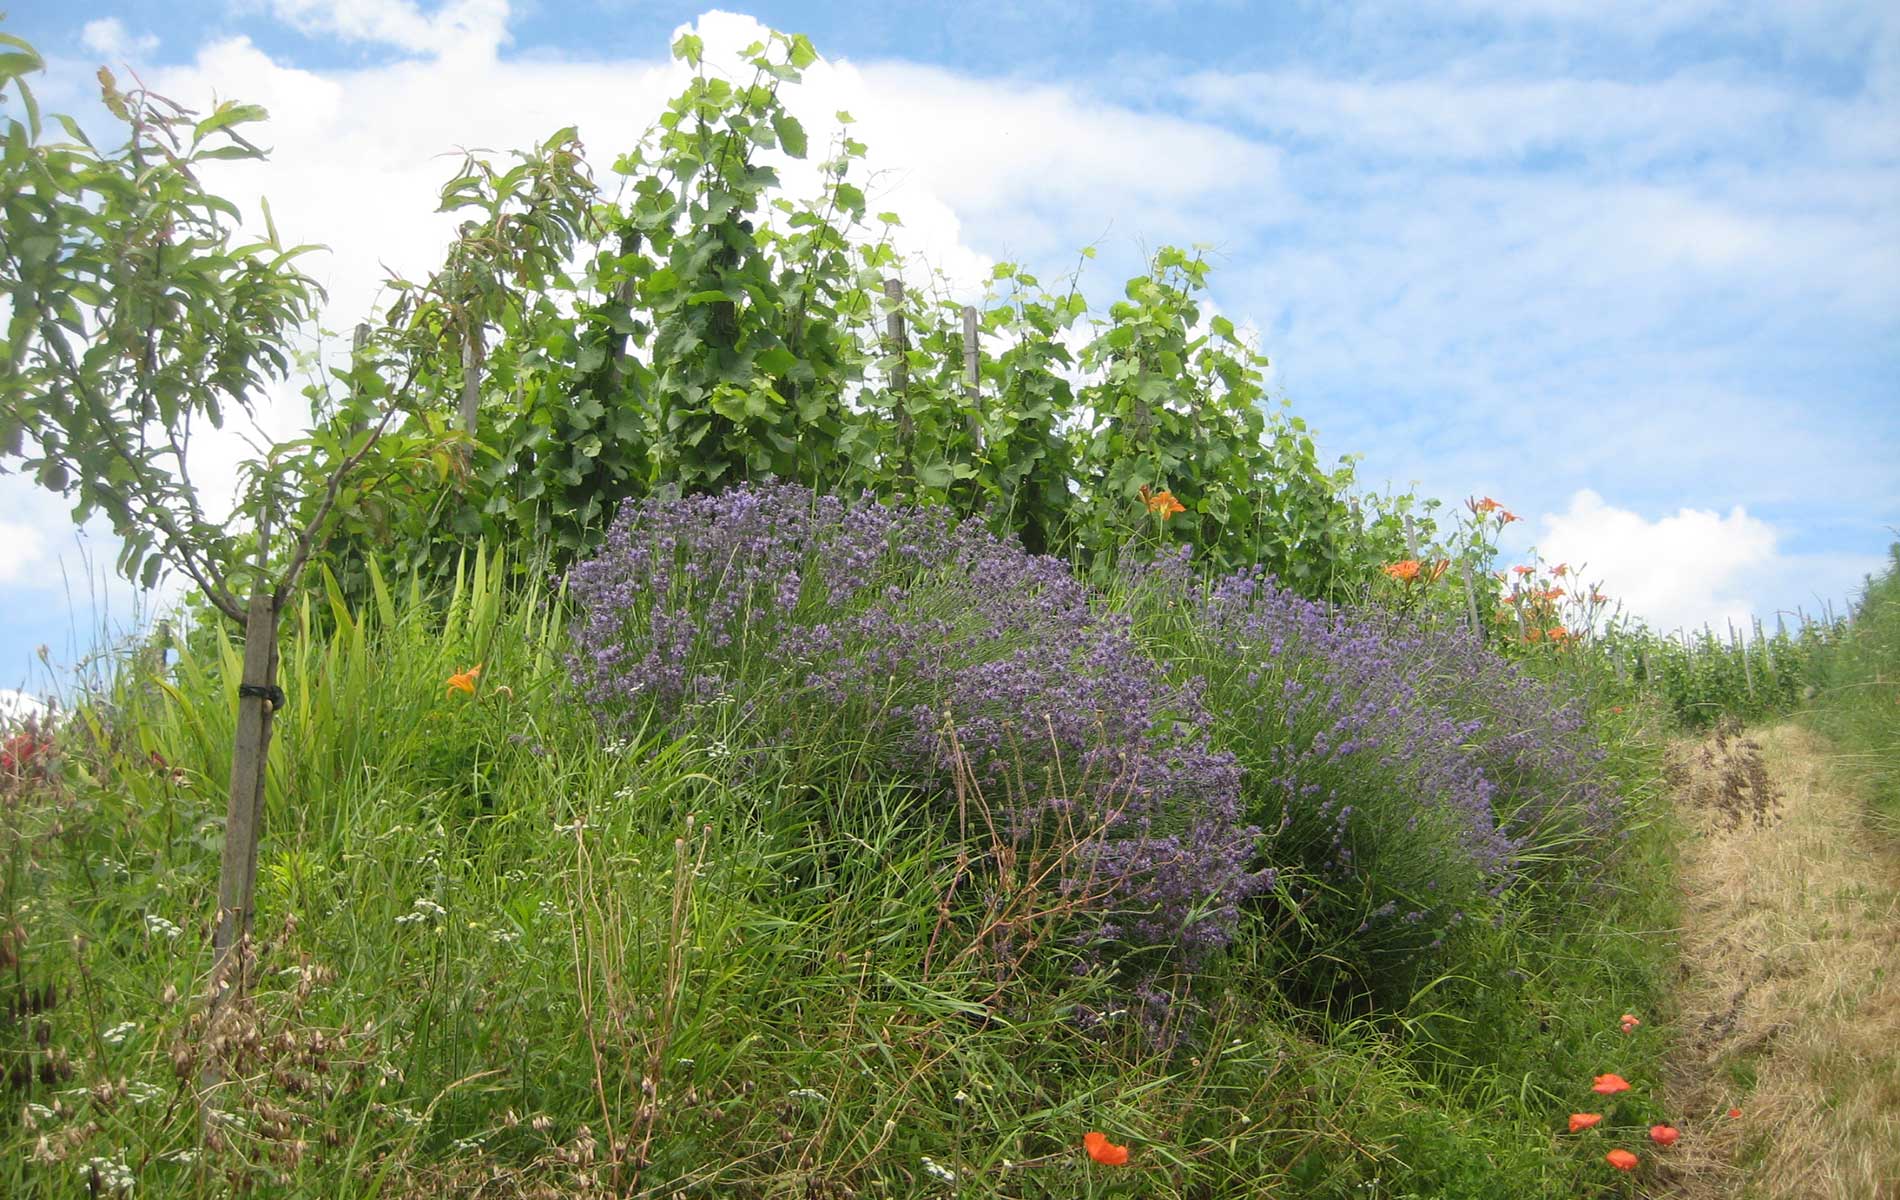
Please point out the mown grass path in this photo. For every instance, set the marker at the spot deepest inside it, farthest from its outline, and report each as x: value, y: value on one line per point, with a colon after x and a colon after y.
x: 1788, y: 996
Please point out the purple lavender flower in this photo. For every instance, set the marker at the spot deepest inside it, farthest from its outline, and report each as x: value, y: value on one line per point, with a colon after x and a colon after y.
x: 989, y: 673
x: 1404, y: 768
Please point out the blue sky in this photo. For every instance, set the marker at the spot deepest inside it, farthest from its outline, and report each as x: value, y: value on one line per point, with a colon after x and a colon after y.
x: 1633, y: 268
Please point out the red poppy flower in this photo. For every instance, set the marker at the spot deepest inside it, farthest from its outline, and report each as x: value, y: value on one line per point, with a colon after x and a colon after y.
x: 1104, y: 1151
x: 1582, y: 1121
x: 1734, y: 1114
x: 1664, y: 1135
x: 1610, y: 1085
x: 1622, y: 1160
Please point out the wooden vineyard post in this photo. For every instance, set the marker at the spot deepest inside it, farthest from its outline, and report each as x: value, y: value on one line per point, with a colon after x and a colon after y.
x: 471, y: 386
x: 900, y: 370
x: 972, y: 374
x: 359, y: 340
x: 258, y: 698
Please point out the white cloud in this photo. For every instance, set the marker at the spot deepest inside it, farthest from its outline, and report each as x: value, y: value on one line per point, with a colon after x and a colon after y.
x: 18, y: 706
x: 1681, y: 570
x: 109, y: 36
x: 470, y: 28
x: 22, y: 552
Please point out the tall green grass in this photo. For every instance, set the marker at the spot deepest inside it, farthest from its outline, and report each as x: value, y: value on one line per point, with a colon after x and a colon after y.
x: 500, y: 954
x: 1859, y: 705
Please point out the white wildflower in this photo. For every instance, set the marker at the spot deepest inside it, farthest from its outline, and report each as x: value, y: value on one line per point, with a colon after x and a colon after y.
x: 113, y: 1176
x: 158, y: 925
x: 422, y: 910
x: 142, y: 1092
x: 937, y: 1170
x: 116, y: 1035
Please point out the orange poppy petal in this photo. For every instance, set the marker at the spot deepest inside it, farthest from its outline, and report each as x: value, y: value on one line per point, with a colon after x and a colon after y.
x: 1664, y: 1135
x: 1610, y: 1085
x: 1622, y: 1160
x: 1734, y: 1113
x: 1104, y: 1151
x: 1582, y: 1121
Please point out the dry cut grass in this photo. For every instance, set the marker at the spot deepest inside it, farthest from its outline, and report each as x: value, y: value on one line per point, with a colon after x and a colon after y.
x: 1790, y: 989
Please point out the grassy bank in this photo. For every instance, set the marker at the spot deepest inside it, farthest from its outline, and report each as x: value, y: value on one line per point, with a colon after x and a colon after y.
x: 727, y: 945
x: 1859, y: 709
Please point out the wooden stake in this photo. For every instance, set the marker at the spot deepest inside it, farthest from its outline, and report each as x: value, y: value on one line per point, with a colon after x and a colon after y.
x: 471, y: 386
x: 358, y: 422
x: 972, y: 374
x: 244, y: 812
x: 900, y: 366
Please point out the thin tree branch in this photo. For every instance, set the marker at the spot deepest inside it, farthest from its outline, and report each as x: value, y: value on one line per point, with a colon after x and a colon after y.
x: 307, y: 537
x: 182, y: 549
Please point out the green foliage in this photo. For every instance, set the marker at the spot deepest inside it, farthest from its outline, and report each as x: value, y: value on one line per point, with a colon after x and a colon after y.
x: 1173, y: 408
x: 720, y: 331
x: 1704, y: 677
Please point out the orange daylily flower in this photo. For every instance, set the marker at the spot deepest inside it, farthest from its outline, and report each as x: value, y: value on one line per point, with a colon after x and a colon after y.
x: 1104, y: 1151
x: 464, y: 681
x: 1405, y: 571
x: 1485, y: 505
x: 1582, y: 1121
x: 1162, y: 504
x: 1664, y: 1135
x: 1560, y: 570
x: 1558, y: 633
x: 1523, y: 570
x: 1610, y: 1085
x: 1533, y: 634
x: 1509, y: 516
x: 1622, y: 1160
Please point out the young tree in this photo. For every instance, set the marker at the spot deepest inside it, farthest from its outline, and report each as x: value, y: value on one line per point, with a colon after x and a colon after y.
x: 134, y: 317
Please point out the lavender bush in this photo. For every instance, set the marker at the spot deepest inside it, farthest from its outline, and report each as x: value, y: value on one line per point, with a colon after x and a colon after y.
x: 983, y: 671
x: 1412, y: 776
